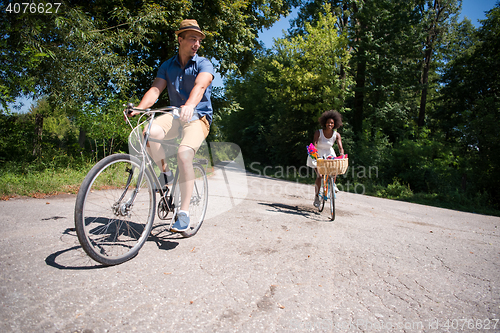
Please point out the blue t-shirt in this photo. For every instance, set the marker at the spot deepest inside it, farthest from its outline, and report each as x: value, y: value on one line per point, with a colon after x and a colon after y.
x: 180, y: 82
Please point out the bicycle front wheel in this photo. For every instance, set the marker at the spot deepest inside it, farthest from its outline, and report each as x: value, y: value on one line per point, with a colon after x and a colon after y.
x: 112, y: 223
x: 322, y: 194
x: 332, y: 199
x: 198, y: 203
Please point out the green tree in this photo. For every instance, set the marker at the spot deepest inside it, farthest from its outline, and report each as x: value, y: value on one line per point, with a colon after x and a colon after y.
x: 385, y: 53
x: 16, y: 138
x: 471, y: 104
x: 437, y: 17
x: 283, y: 95
x: 105, y: 127
x: 89, y: 53
x: 39, y: 112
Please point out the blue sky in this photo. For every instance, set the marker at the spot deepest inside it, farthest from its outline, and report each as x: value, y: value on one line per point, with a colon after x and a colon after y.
x: 473, y: 9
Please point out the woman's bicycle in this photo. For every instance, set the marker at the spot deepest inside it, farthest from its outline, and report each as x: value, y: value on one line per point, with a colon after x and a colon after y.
x: 116, y: 204
x: 329, y: 169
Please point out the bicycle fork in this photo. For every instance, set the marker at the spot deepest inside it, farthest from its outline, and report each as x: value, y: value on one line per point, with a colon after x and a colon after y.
x: 326, y: 184
x: 123, y: 208
x: 326, y: 188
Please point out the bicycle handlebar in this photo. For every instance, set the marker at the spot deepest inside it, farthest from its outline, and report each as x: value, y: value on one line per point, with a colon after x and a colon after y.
x: 174, y: 109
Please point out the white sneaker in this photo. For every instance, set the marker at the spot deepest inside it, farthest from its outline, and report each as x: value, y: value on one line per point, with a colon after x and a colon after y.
x: 316, y: 202
x: 336, y: 188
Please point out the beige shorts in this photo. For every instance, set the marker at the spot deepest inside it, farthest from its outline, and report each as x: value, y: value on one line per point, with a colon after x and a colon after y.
x: 193, y: 133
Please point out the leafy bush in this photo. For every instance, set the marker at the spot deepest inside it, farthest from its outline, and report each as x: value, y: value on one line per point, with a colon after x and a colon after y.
x: 396, y: 190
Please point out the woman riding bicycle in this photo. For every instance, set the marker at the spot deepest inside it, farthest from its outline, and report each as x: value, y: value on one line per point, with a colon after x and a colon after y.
x: 324, y: 140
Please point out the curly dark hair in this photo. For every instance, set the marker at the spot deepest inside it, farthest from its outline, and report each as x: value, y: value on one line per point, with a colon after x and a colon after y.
x: 330, y: 114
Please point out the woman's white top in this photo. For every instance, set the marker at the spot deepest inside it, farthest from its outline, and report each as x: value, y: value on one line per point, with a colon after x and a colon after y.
x: 324, y: 146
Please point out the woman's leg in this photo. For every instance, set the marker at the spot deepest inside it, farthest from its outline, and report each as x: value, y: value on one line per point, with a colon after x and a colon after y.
x: 317, y: 185
x: 335, y: 184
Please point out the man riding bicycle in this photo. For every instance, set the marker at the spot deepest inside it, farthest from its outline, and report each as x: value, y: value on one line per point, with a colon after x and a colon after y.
x: 188, y: 78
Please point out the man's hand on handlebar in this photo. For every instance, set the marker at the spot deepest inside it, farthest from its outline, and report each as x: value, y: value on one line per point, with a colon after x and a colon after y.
x: 186, y: 113
x: 129, y: 112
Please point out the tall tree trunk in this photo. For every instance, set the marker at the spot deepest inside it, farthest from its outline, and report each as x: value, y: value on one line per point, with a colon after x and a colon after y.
x: 424, y: 80
x: 37, y: 138
x: 81, y: 137
x: 359, y: 97
x: 359, y: 93
x: 343, y: 23
x: 343, y: 78
x: 432, y: 33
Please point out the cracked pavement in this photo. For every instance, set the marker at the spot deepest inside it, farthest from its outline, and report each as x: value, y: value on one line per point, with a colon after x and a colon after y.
x: 265, y: 261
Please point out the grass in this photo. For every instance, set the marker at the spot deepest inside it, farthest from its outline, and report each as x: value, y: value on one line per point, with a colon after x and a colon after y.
x: 39, y: 184
x: 474, y: 205
x: 26, y: 181
x: 57, y: 180
x: 455, y: 200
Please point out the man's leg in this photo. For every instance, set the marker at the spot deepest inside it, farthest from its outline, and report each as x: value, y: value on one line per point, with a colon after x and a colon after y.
x: 155, y: 149
x: 185, y: 156
x: 194, y: 134
x: 163, y: 128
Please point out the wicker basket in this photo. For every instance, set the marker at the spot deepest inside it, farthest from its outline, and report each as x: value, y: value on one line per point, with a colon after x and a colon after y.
x: 332, y: 167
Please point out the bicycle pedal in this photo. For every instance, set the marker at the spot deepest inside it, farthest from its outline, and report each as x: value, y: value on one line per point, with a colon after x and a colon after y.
x: 162, y: 210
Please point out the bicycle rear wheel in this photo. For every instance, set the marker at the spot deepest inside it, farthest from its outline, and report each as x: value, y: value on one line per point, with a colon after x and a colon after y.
x: 332, y: 199
x: 110, y: 224
x: 198, y: 203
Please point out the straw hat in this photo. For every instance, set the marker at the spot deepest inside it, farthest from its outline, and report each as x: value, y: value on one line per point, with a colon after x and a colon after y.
x: 187, y: 25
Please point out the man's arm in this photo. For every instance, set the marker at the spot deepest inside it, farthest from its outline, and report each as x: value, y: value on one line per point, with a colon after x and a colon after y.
x: 151, y: 96
x: 201, y: 83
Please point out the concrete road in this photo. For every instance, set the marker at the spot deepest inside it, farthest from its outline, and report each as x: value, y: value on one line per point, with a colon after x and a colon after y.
x: 264, y: 261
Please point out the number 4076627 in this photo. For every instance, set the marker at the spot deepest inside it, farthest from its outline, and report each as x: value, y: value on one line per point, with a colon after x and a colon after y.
x: 32, y: 7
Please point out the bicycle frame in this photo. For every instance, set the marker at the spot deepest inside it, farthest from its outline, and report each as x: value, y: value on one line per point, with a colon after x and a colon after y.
x: 114, y: 220
x: 147, y: 162
x: 328, y: 193
x: 326, y: 186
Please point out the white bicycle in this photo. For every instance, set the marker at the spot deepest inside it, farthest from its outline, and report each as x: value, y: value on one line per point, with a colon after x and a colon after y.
x: 116, y: 204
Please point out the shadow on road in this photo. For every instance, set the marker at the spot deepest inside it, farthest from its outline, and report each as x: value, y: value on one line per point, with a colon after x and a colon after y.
x: 161, y: 236
x: 75, y: 258
x: 293, y: 210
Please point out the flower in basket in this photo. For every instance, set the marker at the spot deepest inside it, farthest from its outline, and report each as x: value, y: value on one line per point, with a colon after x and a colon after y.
x: 312, y: 151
